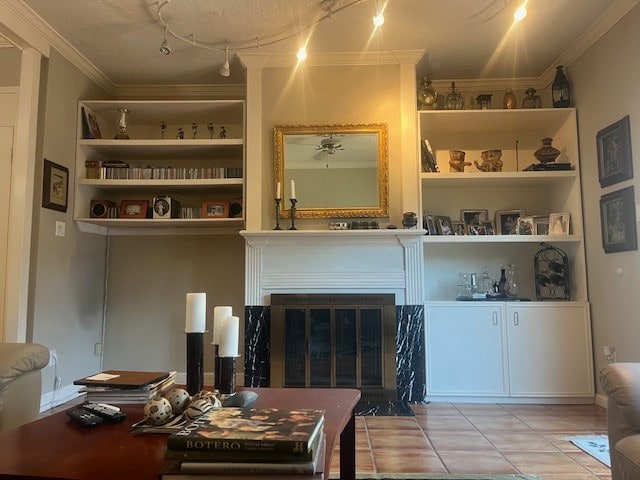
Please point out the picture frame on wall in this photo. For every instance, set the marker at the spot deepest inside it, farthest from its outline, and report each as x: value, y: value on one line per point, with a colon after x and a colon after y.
x: 617, y: 220
x: 615, y: 163
x: 55, y: 186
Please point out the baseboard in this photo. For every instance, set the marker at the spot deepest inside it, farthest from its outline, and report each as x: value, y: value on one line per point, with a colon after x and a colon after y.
x: 57, y: 397
x: 601, y: 400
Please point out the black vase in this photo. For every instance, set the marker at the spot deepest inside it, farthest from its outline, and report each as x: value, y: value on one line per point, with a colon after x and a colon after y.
x: 560, y: 90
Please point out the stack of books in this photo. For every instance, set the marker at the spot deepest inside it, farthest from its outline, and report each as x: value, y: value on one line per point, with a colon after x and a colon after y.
x: 253, y: 444
x: 125, y: 387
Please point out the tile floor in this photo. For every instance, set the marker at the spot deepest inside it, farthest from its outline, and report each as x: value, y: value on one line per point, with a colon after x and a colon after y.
x: 481, y: 438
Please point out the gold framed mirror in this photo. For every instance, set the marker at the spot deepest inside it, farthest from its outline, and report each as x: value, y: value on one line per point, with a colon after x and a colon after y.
x: 339, y: 171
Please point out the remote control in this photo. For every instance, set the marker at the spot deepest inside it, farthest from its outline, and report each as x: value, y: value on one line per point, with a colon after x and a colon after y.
x: 108, y: 412
x: 84, y: 417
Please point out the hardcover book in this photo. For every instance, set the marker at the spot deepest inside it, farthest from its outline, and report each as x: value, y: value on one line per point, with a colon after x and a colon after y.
x: 251, y: 431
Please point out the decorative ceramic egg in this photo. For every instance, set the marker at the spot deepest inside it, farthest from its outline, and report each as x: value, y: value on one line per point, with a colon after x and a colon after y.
x: 157, y: 411
x: 179, y: 398
x: 197, y: 408
x: 211, y: 397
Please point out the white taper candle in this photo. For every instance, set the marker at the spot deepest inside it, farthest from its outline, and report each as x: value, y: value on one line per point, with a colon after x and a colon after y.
x: 218, y: 314
x: 229, y: 337
x: 196, y: 313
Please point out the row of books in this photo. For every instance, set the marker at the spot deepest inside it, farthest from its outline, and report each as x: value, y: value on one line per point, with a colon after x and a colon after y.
x: 185, y: 212
x: 125, y: 387
x: 261, y: 444
x: 161, y: 173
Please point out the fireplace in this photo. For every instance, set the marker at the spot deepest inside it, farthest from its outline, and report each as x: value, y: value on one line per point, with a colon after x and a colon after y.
x: 334, y: 340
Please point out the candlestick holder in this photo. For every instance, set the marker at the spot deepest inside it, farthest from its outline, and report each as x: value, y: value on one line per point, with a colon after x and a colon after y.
x: 293, y: 213
x: 227, y: 375
x: 278, y: 201
x: 216, y: 367
x: 195, y: 362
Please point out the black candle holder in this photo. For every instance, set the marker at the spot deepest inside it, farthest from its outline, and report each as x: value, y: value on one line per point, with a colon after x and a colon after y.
x: 216, y: 367
x: 227, y: 384
x: 195, y: 362
x: 293, y: 213
x: 278, y: 201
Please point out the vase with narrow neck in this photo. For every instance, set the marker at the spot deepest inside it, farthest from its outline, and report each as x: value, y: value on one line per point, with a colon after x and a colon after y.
x: 546, y: 153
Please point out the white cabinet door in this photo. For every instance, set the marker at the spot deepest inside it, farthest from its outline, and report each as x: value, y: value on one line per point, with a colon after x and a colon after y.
x: 549, y: 349
x: 465, y: 349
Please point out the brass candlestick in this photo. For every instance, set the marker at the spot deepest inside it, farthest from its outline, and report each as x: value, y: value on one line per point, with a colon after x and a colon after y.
x: 278, y: 214
x: 293, y: 213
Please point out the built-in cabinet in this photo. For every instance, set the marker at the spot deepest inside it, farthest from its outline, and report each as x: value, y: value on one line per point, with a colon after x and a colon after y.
x: 191, y: 151
x: 503, y: 349
x: 509, y: 349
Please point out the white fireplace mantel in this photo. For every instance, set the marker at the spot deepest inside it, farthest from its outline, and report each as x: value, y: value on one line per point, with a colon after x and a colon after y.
x: 334, y: 261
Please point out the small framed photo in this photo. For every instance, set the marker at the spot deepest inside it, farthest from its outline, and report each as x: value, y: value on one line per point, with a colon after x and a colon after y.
x: 133, y: 208
x: 559, y: 224
x: 525, y: 226
x: 475, y: 217
x: 507, y: 221
x: 614, y: 153
x: 215, y: 210
x: 541, y: 226
x: 430, y: 224
x: 618, y: 221
x: 443, y: 224
x: 459, y: 228
x: 55, y: 186
x: 90, y: 127
x: 489, y: 227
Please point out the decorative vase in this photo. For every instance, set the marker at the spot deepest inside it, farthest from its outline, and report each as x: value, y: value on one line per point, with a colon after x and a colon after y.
x: 560, y: 90
x: 546, y: 153
x: 427, y: 96
x: 456, y: 160
x: 509, y: 101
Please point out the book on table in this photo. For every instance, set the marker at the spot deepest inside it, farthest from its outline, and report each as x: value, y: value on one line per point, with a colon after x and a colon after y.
x: 126, y: 387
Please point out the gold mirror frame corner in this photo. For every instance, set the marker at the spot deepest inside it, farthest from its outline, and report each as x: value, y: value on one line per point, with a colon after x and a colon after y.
x: 381, y: 129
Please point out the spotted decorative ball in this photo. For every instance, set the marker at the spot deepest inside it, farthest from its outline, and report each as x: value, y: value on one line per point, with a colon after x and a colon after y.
x: 197, y: 408
x: 179, y: 398
x: 211, y: 397
x: 157, y: 411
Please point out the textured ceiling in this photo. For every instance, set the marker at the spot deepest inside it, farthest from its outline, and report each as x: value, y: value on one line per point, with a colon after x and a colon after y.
x: 463, y: 39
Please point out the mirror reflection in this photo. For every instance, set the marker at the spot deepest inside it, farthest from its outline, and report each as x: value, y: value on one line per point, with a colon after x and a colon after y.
x: 339, y: 170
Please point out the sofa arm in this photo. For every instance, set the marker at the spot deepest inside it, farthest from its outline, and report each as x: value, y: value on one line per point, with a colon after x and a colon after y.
x: 621, y: 383
x: 20, y: 382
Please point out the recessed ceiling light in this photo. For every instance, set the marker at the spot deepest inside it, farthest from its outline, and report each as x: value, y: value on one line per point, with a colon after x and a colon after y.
x: 520, y: 13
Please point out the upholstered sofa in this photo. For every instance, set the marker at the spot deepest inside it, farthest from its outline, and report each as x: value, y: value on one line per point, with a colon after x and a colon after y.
x: 621, y: 383
x: 20, y: 382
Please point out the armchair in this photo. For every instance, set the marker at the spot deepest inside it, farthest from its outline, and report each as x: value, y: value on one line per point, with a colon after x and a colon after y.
x: 621, y: 383
x: 20, y: 382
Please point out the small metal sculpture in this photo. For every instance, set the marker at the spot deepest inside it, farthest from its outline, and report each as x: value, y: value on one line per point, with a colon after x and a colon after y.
x: 180, y: 135
x: 163, y: 129
x: 194, y: 129
x: 210, y: 128
x: 223, y: 132
x: 551, y: 270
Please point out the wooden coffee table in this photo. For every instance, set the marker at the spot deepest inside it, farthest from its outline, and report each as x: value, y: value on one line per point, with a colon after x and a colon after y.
x: 56, y: 447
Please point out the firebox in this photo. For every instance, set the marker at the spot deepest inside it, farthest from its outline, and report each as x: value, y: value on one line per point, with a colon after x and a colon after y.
x: 336, y: 341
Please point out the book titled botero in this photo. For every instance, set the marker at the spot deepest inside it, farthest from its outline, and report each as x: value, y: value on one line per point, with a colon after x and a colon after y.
x: 251, y: 431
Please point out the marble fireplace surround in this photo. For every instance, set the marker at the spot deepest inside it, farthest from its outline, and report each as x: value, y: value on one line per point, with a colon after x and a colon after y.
x: 334, y: 262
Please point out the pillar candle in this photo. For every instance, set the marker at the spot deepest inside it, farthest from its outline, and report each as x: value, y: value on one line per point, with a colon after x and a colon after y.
x: 293, y: 189
x: 278, y: 186
x: 196, y: 313
x: 218, y: 314
x: 229, y: 336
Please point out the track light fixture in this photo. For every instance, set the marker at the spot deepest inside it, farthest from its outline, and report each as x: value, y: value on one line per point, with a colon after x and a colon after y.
x: 520, y: 13
x: 302, y: 54
x: 225, y: 71
x: 165, y: 49
x: 378, y: 18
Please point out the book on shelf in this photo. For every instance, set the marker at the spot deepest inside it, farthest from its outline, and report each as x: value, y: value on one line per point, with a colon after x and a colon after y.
x: 283, y: 467
x: 251, y: 431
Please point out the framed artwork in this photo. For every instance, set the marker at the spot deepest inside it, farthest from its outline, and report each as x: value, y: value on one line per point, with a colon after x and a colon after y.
x: 507, y: 221
x: 489, y: 227
x: 614, y: 153
x: 525, y: 226
x: 55, y: 186
x: 474, y: 216
x: 541, y: 226
x: 90, y: 127
x: 215, y: 210
x: 617, y: 218
x: 459, y: 228
x: 430, y: 224
x: 133, y: 209
x: 443, y: 225
x: 559, y: 224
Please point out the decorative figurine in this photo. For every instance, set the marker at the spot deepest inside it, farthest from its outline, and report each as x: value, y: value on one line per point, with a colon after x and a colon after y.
x: 122, y: 125
x: 531, y: 100
x: 223, y: 132
x: 491, y: 161
x: 210, y: 128
x: 180, y: 135
x: 163, y: 130
x: 194, y: 129
x: 456, y: 160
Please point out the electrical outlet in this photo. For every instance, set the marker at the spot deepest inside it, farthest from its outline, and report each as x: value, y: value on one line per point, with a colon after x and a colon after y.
x: 52, y: 358
x: 60, y: 228
x: 97, y: 349
x: 610, y: 354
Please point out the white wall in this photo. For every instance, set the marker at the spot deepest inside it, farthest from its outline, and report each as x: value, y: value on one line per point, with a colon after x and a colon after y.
x: 605, y: 86
x: 67, y: 273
